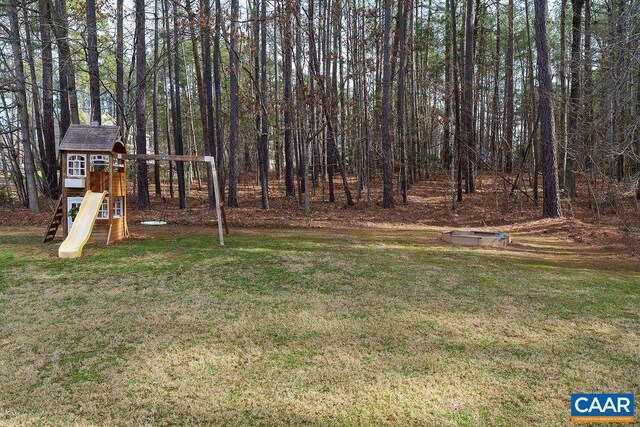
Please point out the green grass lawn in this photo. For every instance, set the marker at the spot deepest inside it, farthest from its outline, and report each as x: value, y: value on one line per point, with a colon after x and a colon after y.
x: 311, y: 327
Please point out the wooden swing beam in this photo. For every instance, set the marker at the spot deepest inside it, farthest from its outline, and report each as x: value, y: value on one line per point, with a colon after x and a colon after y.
x: 181, y: 158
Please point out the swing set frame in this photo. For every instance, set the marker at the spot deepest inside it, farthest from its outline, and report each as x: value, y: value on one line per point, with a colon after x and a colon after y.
x: 183, y: 158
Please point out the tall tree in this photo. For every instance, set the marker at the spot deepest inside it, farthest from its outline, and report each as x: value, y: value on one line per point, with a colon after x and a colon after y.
x: 217, y: 84
x: 210, y: 138
x: 446, y: 134
x: 403, y: 11
x: 154, y: 101
x: 141, y: 107
x: 177, y: 110
x: 120, y: 63
x: 92, y: 62
x: 466, y: 113
x: 456, y: 97
x: 35, y: 93
x: 562, y: 74
x: 263, y: 144
x: 67, y: 75
x: 387, y: 167
x: 508, y: 99
x: 288, y: 122
x: 495, y: 128
x: 21, y: 103
x: 48, y: 127
x: 587, y: 117
x: 551, y: 199
x: 232, y: 200
x: 202, y: 92
x: 574, y: 97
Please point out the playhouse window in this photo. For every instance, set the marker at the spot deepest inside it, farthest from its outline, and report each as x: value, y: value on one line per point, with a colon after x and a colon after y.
x: 99, y: 162
x: 103, y: 213
x: 118, y: 165
x: 117, y: 207
x: 76, y: 165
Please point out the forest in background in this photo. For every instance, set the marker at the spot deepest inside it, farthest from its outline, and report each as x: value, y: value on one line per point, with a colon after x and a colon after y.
x: 354, y: 94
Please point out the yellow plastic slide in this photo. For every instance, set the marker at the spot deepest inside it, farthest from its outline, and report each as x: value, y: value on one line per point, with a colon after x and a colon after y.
x: 82, y: 226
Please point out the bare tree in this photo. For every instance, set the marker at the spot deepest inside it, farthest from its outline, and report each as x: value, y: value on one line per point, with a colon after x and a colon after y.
x: 120, y: 63
x: 551, y: 200
x: 67, y: 75
x: 48, y: 127
x: 177, y: 110
x: 574, y: 98
x: 387, y: 167
x: 92, y: 62
x: 466, y: 113
x: 232, y: 201
x: 22, y: 106
x: 508, y: 99
x: 141, y: 107
x: 154, y: 101
x: 288, y: 122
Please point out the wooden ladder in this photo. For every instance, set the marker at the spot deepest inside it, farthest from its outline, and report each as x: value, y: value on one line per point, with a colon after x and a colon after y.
x: 55, y: 223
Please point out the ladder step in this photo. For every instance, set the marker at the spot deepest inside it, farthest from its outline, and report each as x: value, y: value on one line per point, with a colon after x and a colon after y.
x: 56, y: 220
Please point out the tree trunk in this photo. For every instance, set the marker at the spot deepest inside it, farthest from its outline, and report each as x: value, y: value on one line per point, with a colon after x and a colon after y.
x: 120, y: 64
x: 400, y: 100
x: 177, y: 111
x: 587, y: 118
x: 288, y: 123
x: 141, y: 107
x: 551, y: 200
x: 495, y: 120
x: 217, y: 82
x: 387, y: 167
x: 508, y: 128
x: 532, y: 101
x: 68, y: 97
x: 456, y: 97
x: 468, y: 128
x: 35, y: 97
x: 92, y: 63
x: 446, y: 134
x: 563, y: 90
x: 48, y: 127
x: 21, y: 104
x: 168, y: 91
x: 202, y: 93
x: 264, y: 118
x: 232, y: 201
x: 209, y: 139
x: 574, y: 98
x: 636, y: 135
x: 156, y: 125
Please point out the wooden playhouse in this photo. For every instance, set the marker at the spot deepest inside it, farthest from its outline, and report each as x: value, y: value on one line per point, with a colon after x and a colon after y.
x: 90, y: 162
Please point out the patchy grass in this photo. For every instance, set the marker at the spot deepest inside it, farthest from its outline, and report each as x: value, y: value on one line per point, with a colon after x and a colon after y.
x: 311, y: 327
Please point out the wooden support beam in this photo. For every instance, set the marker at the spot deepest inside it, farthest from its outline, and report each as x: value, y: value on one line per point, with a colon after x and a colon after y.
x: 162, y: 157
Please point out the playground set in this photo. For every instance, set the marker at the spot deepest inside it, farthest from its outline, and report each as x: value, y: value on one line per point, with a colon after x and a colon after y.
x: 93, y: 205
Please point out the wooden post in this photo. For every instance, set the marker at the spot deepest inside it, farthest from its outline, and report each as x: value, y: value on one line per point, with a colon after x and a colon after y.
x: 112, y: 201
x: 216, y: 191
x: 63, y: 178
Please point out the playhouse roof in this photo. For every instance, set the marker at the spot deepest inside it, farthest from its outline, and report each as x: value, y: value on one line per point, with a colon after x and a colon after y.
x: 93, y: 138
